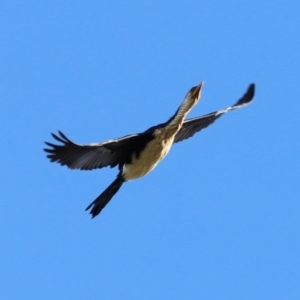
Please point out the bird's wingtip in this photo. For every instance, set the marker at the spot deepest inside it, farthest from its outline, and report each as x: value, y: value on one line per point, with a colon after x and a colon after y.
x: 252, y: 89
x: 248, y: 96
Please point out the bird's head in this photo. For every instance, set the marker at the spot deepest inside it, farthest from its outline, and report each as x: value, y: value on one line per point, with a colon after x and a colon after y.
x: 195, y: 92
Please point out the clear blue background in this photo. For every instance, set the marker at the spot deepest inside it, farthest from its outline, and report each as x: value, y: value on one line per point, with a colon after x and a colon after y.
x: 218, y: 218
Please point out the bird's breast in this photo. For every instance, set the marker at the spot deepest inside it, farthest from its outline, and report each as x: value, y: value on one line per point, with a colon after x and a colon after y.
x: 153, y: 153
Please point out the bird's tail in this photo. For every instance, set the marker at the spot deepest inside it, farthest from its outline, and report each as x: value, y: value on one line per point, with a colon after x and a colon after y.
x: 105, y: 197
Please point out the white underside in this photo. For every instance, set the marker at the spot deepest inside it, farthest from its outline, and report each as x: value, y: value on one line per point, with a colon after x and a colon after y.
x: 158, y: 148
x: 155, y: 151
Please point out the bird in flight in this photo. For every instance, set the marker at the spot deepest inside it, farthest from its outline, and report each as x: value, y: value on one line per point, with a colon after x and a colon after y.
x: 136, y: 154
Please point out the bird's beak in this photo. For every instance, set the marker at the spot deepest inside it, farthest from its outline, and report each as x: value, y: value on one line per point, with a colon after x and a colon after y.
x: 197, y: 91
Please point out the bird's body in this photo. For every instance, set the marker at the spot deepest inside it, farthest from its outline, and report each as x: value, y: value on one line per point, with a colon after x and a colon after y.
x: 148, y: 159
x: 136, y: 155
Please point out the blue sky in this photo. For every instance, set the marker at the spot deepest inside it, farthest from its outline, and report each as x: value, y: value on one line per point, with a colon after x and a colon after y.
x: 218, y: 218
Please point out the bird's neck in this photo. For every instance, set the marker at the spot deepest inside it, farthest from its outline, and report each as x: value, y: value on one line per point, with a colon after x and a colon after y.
x: 175, y: 123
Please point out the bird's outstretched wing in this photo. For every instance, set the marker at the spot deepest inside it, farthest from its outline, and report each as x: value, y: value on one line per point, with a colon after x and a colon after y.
x: 88, y: 157
x: 191, y: 126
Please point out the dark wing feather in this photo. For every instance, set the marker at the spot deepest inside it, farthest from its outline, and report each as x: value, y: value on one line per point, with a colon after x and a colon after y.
x: 88, y: 157
x: 191, y: 126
